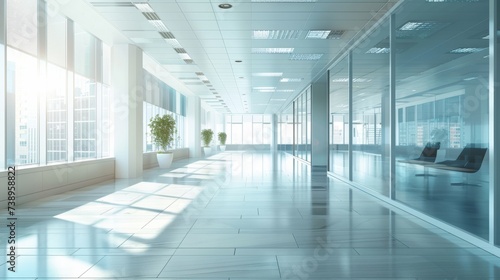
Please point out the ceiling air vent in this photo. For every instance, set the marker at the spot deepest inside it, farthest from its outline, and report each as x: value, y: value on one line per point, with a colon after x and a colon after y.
x: 180, y: 50
x: 335, y: 34
x: 167, y: 35
x: 151, y: 16
x: 188, y: 61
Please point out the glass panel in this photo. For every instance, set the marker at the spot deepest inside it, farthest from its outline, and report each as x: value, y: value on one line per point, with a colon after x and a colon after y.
x: 247, y: 129
x: 57, y: 111
x: 85, y: 53
x: 22, y: 29
x: 442, y: 94
x: 56, y: 40
x: 308, y: 126
x: 370, y: 102
x: 84, y: 118
x: 106, y: 121
x: 339, y: 119
x: 22, y: 80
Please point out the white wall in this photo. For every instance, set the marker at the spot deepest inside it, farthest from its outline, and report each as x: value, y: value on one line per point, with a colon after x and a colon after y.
x: 39, y: 182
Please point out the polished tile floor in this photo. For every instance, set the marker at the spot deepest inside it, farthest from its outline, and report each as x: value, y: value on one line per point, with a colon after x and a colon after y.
x: 233, y: 215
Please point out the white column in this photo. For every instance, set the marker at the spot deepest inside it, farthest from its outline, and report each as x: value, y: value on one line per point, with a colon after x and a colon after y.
x: 193, y: 128
x: 126, y: 78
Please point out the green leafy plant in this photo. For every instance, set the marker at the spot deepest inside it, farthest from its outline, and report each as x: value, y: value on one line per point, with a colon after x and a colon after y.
x: 222, y: 138
x: 162, y: 130
x: 206, y: 136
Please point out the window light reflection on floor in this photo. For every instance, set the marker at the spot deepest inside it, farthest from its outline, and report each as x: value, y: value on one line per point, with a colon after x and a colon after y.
x: 145, y: 205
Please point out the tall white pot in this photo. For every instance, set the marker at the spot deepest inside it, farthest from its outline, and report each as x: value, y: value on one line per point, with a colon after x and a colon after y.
x: 165, y: 159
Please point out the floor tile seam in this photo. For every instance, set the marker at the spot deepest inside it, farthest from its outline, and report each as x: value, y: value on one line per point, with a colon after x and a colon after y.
x: 164, y: 266
x: 100, y: 259
x: 295, y: 239
x: 278, y: 265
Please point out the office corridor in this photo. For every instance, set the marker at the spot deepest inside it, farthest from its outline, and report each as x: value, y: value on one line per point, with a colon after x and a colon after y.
x: 233, y: 215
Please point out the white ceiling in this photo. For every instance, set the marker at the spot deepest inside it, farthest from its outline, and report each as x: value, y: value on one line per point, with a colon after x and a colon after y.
x: 215, y: 38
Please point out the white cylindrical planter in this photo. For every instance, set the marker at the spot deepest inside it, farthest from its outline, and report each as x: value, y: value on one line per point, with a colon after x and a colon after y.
x: 165, y: 159
x: 207, y: 150
x: 222, y: 147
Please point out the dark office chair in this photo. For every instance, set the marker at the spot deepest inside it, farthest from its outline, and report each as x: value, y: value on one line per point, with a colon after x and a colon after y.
x: 429, y: 152
x: 469, y: 161
x: 428, y: 155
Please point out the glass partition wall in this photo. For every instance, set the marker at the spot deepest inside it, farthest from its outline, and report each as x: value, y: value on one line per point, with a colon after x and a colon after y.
x: 339, y: 118
x: 439, y: 88
x: 442, y: 103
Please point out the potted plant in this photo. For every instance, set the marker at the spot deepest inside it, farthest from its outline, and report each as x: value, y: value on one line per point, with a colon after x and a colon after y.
x: 222, y: 139
x: 206, y: 137
x: 162, y: 132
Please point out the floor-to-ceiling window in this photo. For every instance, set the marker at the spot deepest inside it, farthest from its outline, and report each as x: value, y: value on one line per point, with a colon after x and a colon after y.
x: 248, y: 129
x: 58, y: 103
x: 442, y: 110
x: 22, y: 81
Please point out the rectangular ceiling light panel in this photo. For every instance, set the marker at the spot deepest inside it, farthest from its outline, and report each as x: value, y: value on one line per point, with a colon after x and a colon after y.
x: 269, y: 74
x: 318, y: 34
x: 466, y: 50
x: 276, y: 34
x: 272, y: 50
x: 291, y: 80
x: 306, y: 56
x: 283, y: 1
x: 144, y: 7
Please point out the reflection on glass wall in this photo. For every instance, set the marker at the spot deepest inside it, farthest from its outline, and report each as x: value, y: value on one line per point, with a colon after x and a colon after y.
x: 285, y: 130
x: 339, y: 118
x: 302, y: 117
x: 370, y: 82
x: 442, y: 111
x: 294, y: 123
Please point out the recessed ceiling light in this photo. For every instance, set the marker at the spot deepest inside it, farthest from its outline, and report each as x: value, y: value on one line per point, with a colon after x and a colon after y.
x: 285, y: 90
x: 291, y: 80
x: 174, y: 43
x: 466, y: 50
x: 306, y: 56
x: 415, y: 25
x: 272, y: 50
x: 225, y: 6
x: 356, y: 80
x: 160, y: 26
x: 263, y: 88
x: 144, y: 7
x: 276, y: 34
x: 283, y: 1
x: 184, y: 56
x: 378, y: 50
x: 317, y: 34
x: 419, y: 29
x: 268, y: 74
x: 266, y: 90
